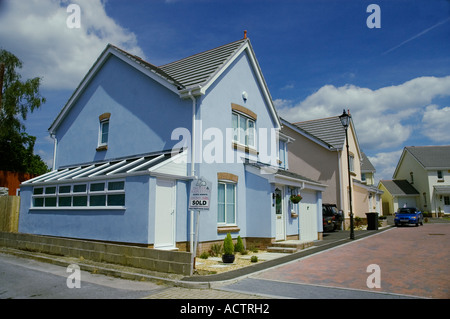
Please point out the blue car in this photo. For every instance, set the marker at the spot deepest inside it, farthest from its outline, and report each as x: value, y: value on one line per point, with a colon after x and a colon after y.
x: 408, y: 216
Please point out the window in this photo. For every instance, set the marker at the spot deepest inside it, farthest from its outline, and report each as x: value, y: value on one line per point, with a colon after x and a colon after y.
x: 440, y: 176
x: 282, y: 154
x: 95, y: 194
x: 103, y: 132
x: 226, y: 203
x: 243, y: 130
x: 351, y: 159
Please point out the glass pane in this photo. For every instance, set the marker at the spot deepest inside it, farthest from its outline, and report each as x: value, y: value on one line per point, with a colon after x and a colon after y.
x: 38, y: 202
x: 64, y: 189
x: 79, y: 188
x: 251, y: 133
x: 230, y: 214
x: 65, y: 201
x: 105, y: 129
x: 221, y: 192
x: 230, y: 193
x: 221, y: 213
x: 79, y: 201
x: 242, y: 129
x: 221, y: 203
x: 235, y: 127
x: 98, y: 200
x: 38, y: 191
x: 50, y: 202
x: 50, y: 190
x: 116, y: 200
x: 230, y: 205
x: 114, y: 186
x: 97, y: 187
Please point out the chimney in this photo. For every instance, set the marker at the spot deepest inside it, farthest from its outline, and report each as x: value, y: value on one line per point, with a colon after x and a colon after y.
x: 245, y: 34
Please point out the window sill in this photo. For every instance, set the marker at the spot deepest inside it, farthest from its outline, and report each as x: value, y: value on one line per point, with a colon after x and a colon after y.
x: 227, y: 229
x: 102, y: 148
x: 246, y: 149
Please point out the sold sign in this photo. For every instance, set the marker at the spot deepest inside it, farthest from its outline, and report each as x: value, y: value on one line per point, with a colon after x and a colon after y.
x: 199, y: 195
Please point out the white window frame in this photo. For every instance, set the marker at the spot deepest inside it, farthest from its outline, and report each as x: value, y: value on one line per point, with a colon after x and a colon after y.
x: 240, y: 134
x: 283, y: 163
x: 227, y: 184
x: 101, y: 133
x: 351, y: 159
x: 88, y: 193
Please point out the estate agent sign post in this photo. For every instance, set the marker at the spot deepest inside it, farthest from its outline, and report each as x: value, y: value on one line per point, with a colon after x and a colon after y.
x: 199, y: 199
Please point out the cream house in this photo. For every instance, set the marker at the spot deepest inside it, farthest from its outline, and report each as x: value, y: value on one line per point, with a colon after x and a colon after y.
x: 427, y: 169
x: 397, y: 194
x: 319, y: 153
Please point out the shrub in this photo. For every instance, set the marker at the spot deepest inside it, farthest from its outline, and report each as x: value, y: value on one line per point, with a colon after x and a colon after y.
x: 239, y: 247
x: 254, y: 259
x: 228, y: 247
x: 204, y: 255
x: 216, y: 250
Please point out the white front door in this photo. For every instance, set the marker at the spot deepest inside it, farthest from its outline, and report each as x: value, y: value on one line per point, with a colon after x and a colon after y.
x: 447, y: 204
x: 279, y: 215
x: 308, y: 216
x: 165, y: 214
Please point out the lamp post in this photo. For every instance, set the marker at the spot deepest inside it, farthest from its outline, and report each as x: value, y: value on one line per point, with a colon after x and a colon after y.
x: 345, y: 121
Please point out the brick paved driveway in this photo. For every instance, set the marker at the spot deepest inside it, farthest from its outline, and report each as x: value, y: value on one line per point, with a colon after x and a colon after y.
x: 413, y: 261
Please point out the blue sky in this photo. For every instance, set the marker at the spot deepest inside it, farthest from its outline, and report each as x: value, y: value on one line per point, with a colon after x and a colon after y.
x: 317, y: 56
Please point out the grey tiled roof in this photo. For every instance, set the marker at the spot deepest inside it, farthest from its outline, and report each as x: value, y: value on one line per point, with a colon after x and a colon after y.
x: 431, y: 156
x: 329, y: 130
x: 199, y: 68
x: 366, y: 165
x: 399, y: 187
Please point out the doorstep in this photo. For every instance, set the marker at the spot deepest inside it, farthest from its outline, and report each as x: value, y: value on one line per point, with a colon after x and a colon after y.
x: 288, y: 246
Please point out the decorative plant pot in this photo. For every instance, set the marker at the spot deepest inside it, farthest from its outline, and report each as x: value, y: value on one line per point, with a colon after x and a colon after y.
x: 295, y: 199
x: 228, y: 259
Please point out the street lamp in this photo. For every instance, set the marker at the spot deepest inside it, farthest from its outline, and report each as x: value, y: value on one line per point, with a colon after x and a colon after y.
x: 345, y: 121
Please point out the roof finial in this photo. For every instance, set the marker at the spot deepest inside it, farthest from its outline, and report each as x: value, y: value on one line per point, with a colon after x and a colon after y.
x: 245, y: 34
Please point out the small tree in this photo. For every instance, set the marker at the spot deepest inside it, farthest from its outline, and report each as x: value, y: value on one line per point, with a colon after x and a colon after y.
x: 239, y: 247
x: 228, y: 247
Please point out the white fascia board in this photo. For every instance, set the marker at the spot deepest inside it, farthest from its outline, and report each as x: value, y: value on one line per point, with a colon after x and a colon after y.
x: 308, y: 136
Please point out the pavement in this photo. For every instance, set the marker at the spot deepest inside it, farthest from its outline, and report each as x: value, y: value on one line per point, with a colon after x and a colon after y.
x: 203, y: 287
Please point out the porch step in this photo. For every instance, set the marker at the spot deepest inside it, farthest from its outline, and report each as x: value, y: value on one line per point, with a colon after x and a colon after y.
x: 288, y: 246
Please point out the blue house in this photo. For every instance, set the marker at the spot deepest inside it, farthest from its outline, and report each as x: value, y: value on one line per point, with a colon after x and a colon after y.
x: 133, y: 137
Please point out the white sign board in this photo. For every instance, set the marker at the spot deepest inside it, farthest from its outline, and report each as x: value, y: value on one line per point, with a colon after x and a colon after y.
x: 199, y: 196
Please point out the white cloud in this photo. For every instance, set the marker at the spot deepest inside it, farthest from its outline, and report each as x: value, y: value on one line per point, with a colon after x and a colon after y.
x: 382, y: 117
x: 36, y: 31
x: 385, y: 164
x: 435, y: 123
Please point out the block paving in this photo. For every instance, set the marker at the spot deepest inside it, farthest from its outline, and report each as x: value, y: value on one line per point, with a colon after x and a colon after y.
x: 413, y: 261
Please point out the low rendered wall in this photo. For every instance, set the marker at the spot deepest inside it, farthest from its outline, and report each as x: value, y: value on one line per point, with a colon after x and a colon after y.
x: 131, y: 256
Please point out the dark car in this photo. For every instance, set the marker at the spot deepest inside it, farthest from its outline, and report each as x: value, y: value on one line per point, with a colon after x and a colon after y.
x: 408, y: 216
x: 332, y: 218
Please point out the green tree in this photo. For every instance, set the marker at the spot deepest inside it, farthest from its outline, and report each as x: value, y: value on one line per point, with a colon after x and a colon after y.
x: 17, y: 98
